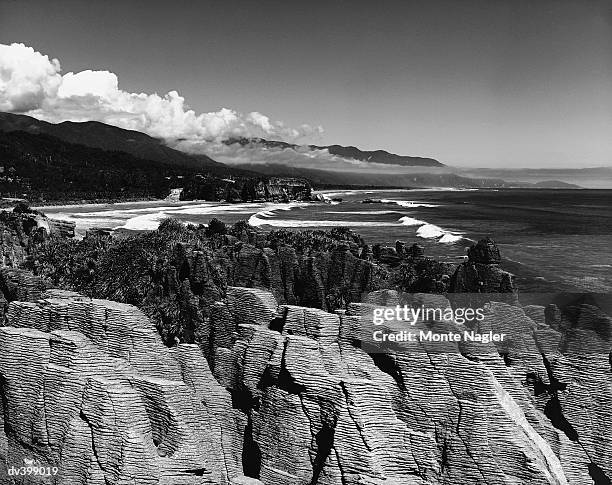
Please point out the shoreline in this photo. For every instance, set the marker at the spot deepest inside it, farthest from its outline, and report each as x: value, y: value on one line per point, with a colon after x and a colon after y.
x: 101, y: 204
x: 7, y: 203
x: 130, y: 217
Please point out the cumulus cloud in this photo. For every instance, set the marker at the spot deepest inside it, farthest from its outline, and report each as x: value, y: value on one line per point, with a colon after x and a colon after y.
x: 27, y: 78
x: 32, y: 83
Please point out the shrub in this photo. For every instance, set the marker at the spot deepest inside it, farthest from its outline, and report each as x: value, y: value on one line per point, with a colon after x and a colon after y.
x: 215, y: 226
x: 24, y: 208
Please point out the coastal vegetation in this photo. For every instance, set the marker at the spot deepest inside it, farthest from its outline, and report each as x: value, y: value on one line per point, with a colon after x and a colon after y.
x: 176, y: 272
x: 43, y: 169
x: 170, y: 271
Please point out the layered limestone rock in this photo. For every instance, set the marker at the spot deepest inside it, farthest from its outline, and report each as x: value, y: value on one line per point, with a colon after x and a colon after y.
x: 326, y: 280
x: 320, y: 279
x: 313, y: 279
x: 88, y: 387
x: 23, y: 228
x: 294, y: 398
x: 323, y: 411
x: 16, y: 284
x: 481, y: 273
x: 61, y: 228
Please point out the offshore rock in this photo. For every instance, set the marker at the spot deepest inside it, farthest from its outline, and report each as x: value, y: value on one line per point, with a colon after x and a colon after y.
x: 481, y: 273
x: 485, y: 252
x: 390, y: 256
x: 61, y: 228
x: 416, y: 251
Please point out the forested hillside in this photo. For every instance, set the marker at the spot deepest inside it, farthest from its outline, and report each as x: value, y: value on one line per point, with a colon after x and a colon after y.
x: 43, y: 168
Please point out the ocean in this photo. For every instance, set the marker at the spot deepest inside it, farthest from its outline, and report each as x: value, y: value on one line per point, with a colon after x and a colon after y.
x: 552, y: 240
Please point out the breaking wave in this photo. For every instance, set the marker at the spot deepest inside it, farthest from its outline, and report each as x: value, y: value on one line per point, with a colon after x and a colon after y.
x: 431, y: 231
x: 410, y: 221
x: 361, y: 213
x: 139, y: 217
x: 450, y: 238
x: 152, y: 220
x: 408, y: 203
x: 145, y: 222
x: 257, y: 221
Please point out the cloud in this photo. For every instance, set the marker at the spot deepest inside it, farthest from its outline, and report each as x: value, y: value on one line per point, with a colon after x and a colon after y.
x: 300, y: 156
x: 27, y: 78
x: 32, y: 84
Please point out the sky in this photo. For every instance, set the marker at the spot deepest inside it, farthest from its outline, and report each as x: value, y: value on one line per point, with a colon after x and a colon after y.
x: 492, y: 83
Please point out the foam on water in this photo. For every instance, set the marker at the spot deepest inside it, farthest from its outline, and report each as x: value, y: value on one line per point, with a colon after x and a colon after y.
x: 408, y: 203
x: 430, y: 231
x: 329, y: 194
x: 256, y: 221
x: 140, y: 217
x: 267, y: 218
x: 145, y: 222
x: 137, y: 217
x: 215, y: 209
x: 361, y: 213
x: 152, y: 220
x: 264, y: 216
x: 450, y: 238
x: 410, y: 221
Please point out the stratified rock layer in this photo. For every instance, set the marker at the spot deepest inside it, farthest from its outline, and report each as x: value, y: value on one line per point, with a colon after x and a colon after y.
x: 20, y: 231
x: 88, y: 387
x: 481, y: 273
x: 292, y: 398
x: 319, y: 279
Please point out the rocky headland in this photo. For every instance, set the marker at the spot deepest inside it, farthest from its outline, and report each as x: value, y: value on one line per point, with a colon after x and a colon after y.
x: 225, y: 355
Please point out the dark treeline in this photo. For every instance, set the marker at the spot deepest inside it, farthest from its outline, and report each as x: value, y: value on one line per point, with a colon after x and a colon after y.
x: 41, y: 168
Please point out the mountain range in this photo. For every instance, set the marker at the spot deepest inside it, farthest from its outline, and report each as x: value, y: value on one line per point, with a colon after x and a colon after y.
x: 375, y: 156
x: 107, y: 137
x: 324, y: 178
x: 102, y: 147
x: 111, y: 138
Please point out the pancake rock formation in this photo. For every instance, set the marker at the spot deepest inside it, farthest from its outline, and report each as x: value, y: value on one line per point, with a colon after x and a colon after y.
x: 481, y: 273
x: 22, y: 228
x: 88, y: 387
x: 288, y: 396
